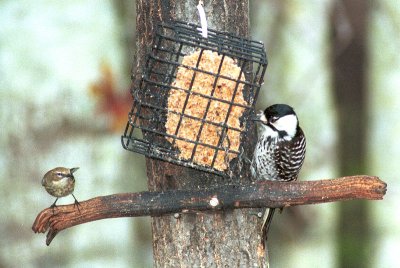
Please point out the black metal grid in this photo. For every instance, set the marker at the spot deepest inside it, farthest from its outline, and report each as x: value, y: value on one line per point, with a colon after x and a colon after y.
x: 145, y: 132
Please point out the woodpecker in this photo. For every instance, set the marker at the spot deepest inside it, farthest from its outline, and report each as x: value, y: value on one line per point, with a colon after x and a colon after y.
x: 279, y: 152
x: 60, y: 182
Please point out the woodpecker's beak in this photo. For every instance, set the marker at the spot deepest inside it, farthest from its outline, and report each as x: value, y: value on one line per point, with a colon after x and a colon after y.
x: 72, y: 170
x: 259, y: 118
x: 256, y: 117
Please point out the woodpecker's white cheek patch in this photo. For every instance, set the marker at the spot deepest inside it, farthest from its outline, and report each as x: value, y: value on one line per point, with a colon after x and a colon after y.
x: 263, y: 118
x: 288, y: 124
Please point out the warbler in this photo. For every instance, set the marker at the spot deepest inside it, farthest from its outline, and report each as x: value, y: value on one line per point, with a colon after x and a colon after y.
x: 60, y: 182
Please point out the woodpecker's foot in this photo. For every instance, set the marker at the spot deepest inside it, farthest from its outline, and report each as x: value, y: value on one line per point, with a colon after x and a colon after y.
x: 243, y: 157
x: 246, y: 160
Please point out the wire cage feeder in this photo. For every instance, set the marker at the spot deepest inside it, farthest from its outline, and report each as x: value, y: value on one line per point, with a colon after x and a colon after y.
x: 194, y: 98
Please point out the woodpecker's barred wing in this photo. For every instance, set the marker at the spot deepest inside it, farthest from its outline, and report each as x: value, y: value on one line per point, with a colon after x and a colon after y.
x: 262, y: 166
x: 290, y: 156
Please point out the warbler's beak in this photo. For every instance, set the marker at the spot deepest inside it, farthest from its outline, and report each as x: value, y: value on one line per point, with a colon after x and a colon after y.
x: 72, y: 170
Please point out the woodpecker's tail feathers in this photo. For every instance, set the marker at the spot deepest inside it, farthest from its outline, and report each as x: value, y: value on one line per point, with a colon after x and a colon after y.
x: 266, y: 224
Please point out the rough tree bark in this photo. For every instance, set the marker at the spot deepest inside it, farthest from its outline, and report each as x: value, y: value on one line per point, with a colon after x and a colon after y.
x: 223, y: 238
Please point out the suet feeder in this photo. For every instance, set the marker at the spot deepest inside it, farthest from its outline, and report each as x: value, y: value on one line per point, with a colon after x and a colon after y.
x: 195, y: 96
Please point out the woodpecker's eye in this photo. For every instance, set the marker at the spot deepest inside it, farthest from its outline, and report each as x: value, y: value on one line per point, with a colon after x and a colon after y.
x: 274, y: 119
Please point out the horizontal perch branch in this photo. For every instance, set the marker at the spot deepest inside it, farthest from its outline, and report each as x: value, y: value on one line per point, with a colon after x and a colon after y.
x: 255, y: 195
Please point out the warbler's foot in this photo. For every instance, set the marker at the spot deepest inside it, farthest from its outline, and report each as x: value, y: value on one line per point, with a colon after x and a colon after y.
x: 76, y: 203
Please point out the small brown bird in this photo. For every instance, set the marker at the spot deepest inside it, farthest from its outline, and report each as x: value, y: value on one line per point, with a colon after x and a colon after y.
x: 60, y: 182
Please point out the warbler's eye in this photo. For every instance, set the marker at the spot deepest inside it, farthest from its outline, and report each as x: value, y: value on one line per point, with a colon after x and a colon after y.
x: 59, y: 174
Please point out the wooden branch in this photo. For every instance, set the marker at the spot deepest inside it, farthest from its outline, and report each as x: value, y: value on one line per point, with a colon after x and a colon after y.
x: 255, y: 195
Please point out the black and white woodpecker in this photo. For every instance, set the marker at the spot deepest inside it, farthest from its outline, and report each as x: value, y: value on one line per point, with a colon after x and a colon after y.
x: 279, y: 152
x: 60, y: 182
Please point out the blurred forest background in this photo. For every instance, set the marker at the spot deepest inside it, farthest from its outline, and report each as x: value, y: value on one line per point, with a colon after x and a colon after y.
x: 64, y: 96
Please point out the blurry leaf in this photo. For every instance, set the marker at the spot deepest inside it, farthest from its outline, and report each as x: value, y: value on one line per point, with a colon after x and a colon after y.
x: 111, y: 103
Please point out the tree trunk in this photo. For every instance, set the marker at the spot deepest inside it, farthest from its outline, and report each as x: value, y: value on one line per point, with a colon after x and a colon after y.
x: 349, y: 80
x: 221, y: 238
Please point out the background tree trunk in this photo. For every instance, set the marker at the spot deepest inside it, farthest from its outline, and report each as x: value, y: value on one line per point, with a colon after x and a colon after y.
x: 222, y: 238
x: 349, y: 77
